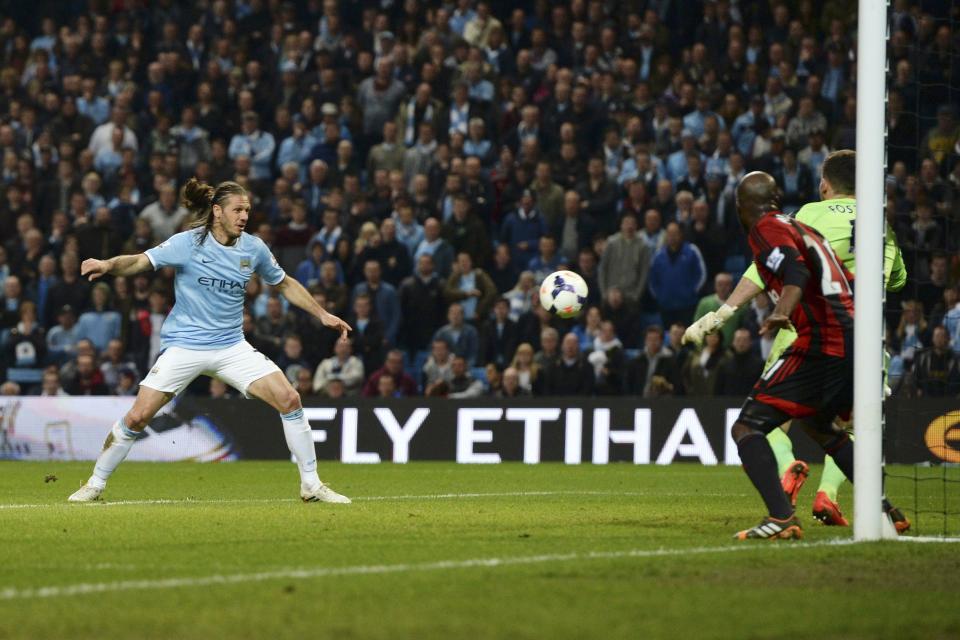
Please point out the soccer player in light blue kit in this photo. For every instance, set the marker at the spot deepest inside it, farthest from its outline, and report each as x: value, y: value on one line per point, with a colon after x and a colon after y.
x: 203, y: 333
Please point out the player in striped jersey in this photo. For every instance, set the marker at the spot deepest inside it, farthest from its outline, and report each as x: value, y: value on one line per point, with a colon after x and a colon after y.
x: 812, y: 381
x: 833, y: 217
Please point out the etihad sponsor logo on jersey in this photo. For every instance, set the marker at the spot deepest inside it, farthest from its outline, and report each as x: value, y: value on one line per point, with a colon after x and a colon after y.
x: 217, y: 284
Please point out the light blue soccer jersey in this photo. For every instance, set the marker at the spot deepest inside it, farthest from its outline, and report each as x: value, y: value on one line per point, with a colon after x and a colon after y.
x: 210, y: 285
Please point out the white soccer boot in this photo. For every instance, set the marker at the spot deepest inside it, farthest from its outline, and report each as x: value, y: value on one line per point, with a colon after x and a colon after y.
x: 86, y: 493
x: 322, y: 493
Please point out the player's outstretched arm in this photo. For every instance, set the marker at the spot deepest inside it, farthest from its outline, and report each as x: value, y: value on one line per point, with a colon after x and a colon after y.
x: 745, y: 291
x: 116, y: 266
x: 293, y: 291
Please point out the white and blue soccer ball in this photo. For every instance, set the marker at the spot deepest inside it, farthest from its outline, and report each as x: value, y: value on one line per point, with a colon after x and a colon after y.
x: 563, y: 293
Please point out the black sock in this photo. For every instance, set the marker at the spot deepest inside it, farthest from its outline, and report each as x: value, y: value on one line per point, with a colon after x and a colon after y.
x: 841, y: 451
x: 761, y: 467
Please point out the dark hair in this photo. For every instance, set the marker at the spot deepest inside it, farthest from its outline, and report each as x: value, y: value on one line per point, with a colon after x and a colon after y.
x: 199, y: 198
x: 840, y: 170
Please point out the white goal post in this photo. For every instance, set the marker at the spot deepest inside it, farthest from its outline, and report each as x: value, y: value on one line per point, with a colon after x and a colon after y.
x: 868, y: 318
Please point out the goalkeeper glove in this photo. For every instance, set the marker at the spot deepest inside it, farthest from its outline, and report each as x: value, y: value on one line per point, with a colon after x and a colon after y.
x: 708, y: 324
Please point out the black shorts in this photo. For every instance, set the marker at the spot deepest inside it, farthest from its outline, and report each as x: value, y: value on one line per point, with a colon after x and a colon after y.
x: 800, y: 385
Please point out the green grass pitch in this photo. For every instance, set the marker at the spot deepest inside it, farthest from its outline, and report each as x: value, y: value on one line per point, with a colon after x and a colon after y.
x: 435, y: 550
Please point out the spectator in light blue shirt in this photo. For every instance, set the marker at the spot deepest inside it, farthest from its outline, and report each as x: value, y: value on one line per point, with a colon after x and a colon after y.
x: 109, y: 159
x: 100, y: 325
x: 91, y: 105
x: 296, y: 148
x: 694, y: 120
x: 677, y: 161
x: 255, y: 144
x: 463, y: 338
x: 719, y: 162
x: 409, y: 232
x: 48, y: 40
x: 814, y: 153
x: 744, y: 128
x: 307, y: 272
x: 477, y: 145
x: 478, y: 89
x: 329, y: 233
x: 62, y: 339
x: 463, y: 14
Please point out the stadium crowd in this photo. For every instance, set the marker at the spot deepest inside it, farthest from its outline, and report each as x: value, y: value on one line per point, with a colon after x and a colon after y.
x: 421, y: 166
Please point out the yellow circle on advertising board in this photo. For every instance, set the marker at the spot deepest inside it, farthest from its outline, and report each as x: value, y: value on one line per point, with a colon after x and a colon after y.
x: 943, y: 437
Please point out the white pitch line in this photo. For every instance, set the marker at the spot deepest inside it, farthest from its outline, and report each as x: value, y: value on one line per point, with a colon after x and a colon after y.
x: 429, y: 496
x: 909, y: 538
x: 14, y: 593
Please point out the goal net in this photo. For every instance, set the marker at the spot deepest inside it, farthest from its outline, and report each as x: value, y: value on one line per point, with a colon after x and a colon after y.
x: 921, y: 201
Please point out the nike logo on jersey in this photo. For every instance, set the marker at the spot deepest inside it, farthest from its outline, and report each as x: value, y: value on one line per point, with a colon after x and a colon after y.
x: 205, y: 261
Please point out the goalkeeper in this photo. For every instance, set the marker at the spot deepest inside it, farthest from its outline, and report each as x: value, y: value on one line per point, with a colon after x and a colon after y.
x: 834, y: 217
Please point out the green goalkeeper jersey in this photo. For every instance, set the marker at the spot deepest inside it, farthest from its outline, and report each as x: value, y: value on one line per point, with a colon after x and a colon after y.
x: 835, y: 220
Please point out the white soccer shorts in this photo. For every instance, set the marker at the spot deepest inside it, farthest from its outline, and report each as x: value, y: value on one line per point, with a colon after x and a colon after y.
x: 239, y: 366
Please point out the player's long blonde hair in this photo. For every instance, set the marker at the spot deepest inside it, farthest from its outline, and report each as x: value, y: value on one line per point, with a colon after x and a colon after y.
x: 199, y: 198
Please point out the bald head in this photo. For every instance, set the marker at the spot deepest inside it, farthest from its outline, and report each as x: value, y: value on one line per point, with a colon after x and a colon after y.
x: 757, y: 193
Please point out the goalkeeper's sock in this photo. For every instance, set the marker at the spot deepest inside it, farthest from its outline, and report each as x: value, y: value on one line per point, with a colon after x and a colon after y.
x: 299, y: 438
x: 782, y: 448
x: 831, y: 479
x: 115, y: 449
x: 761, y: 467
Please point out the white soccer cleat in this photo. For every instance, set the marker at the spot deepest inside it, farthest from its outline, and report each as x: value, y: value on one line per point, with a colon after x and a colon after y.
x: 86, y: 493
x: 322, y: 493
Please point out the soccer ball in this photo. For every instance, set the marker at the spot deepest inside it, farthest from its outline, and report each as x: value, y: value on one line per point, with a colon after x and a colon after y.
x: 563, y: 293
